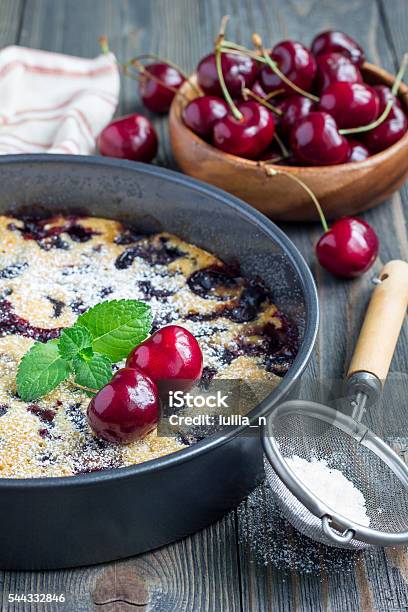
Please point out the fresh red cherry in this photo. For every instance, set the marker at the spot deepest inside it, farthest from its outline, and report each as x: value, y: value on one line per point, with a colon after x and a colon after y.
x: 171, y: 357
x: 351, y: 104
x: 246, y: 137
x: 158, y: 96
x: 202, y: 113
x: 297, y: 64
x: 332, y: 67
x: 131, y: 137
x: 238, y: 71
x: 338, y: 42
x: 126, y: 409
x: 315, y: 140
x: 258, y: 90
x: 294, y: 107
x: 358, y: 152
x: 349, y: 248
x: 385, y: 95
x: 388, y: 132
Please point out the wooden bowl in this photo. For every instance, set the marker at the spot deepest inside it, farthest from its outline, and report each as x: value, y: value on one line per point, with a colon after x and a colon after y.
x: 342, y: 190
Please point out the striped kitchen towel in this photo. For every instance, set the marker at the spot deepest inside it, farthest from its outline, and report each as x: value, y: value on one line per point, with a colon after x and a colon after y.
x: 53, y: 103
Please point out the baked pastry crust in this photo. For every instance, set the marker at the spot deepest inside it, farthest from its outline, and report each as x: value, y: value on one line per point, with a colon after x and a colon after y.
x: 53, y: 269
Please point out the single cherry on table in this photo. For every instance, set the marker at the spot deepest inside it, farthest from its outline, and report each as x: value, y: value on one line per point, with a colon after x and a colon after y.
x: 171, y: 357
x: 239, y: 71
x: 247, y: 137
x: 126, y: 409
x: 338, y: 42
x: 130, y: 137
x: 295, y: 62
x: 315, y: 140
x: 348, y: 248
x: 157, y: 92
x: 201, y: 114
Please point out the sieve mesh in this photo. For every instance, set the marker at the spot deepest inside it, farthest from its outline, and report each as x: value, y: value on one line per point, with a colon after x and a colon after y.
x: 299, y: 516
x: 311, y: 438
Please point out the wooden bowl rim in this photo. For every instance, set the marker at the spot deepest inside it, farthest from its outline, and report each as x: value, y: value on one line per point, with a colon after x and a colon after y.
x: 386, y: 77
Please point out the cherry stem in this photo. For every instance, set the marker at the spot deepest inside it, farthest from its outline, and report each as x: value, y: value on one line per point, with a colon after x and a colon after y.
x: 274, y: 160
x: 388, y: 106
x: 140, y: 79
x: 103, y: 42
x: 251, y: 94
x: 136, y: 63
x: 273, y: 172
x: 281, y: 144
x: 218, y: 57
x: 273, y: 94
x: 230, y: 47
x: 221, y: 32
x: 82, y: 387
x: 256, y: 39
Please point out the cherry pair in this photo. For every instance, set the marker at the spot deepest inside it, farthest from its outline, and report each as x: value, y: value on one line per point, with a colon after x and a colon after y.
x: 127, y: 408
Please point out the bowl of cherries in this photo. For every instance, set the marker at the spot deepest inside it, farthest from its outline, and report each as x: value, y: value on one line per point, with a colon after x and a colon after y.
x: 264, y: 123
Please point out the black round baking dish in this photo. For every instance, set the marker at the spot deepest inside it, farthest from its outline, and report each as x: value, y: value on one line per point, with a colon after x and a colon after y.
x: 91, y: 518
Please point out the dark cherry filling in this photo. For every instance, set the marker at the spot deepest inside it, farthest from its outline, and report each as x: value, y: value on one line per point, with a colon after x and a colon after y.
x: 164, y: 254
x: 78, y: 307
x: 283, y: 345
x: 13, y: 270
x: 129, y: 235
x: 44, y: 433
x: 10, y: 323
x: 53, y: 242
x: 188, y: 439
x: 5, y: 293
x: 3, y: 409
x: 57, y: 305
x: 34, y: 229
x: 105, y: 291
x: 212, y: 282
x: 77, y: 417
x: 250, y: 302
x: 207, y: 376
x: 44, y: 414
x: 79, y: 233
x: 161, y: 321
x: 149, y: 291
x: 46, y: 458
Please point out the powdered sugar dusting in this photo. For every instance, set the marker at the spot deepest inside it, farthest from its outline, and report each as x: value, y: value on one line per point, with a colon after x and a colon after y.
x: 331, y: 487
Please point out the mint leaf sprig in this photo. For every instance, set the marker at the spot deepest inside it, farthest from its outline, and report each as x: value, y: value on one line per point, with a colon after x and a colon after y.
x: 103, y: 335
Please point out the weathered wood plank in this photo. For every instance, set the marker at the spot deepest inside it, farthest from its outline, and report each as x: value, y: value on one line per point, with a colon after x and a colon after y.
x: 11, y: 18
x: 11, y: 21
x: 202, y: 572
x: 366, y: 584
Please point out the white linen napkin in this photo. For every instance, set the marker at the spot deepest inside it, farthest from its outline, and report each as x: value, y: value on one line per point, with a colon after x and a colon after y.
x: 54, y: 103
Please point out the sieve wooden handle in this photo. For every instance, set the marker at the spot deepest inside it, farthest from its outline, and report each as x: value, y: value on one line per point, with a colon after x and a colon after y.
x: 383, y: 321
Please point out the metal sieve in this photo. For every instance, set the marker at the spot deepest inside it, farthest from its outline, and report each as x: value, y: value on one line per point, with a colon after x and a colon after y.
x: 314, y: 431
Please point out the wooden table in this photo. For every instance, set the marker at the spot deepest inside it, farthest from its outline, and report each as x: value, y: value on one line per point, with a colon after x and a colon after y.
x: 221, y: 568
